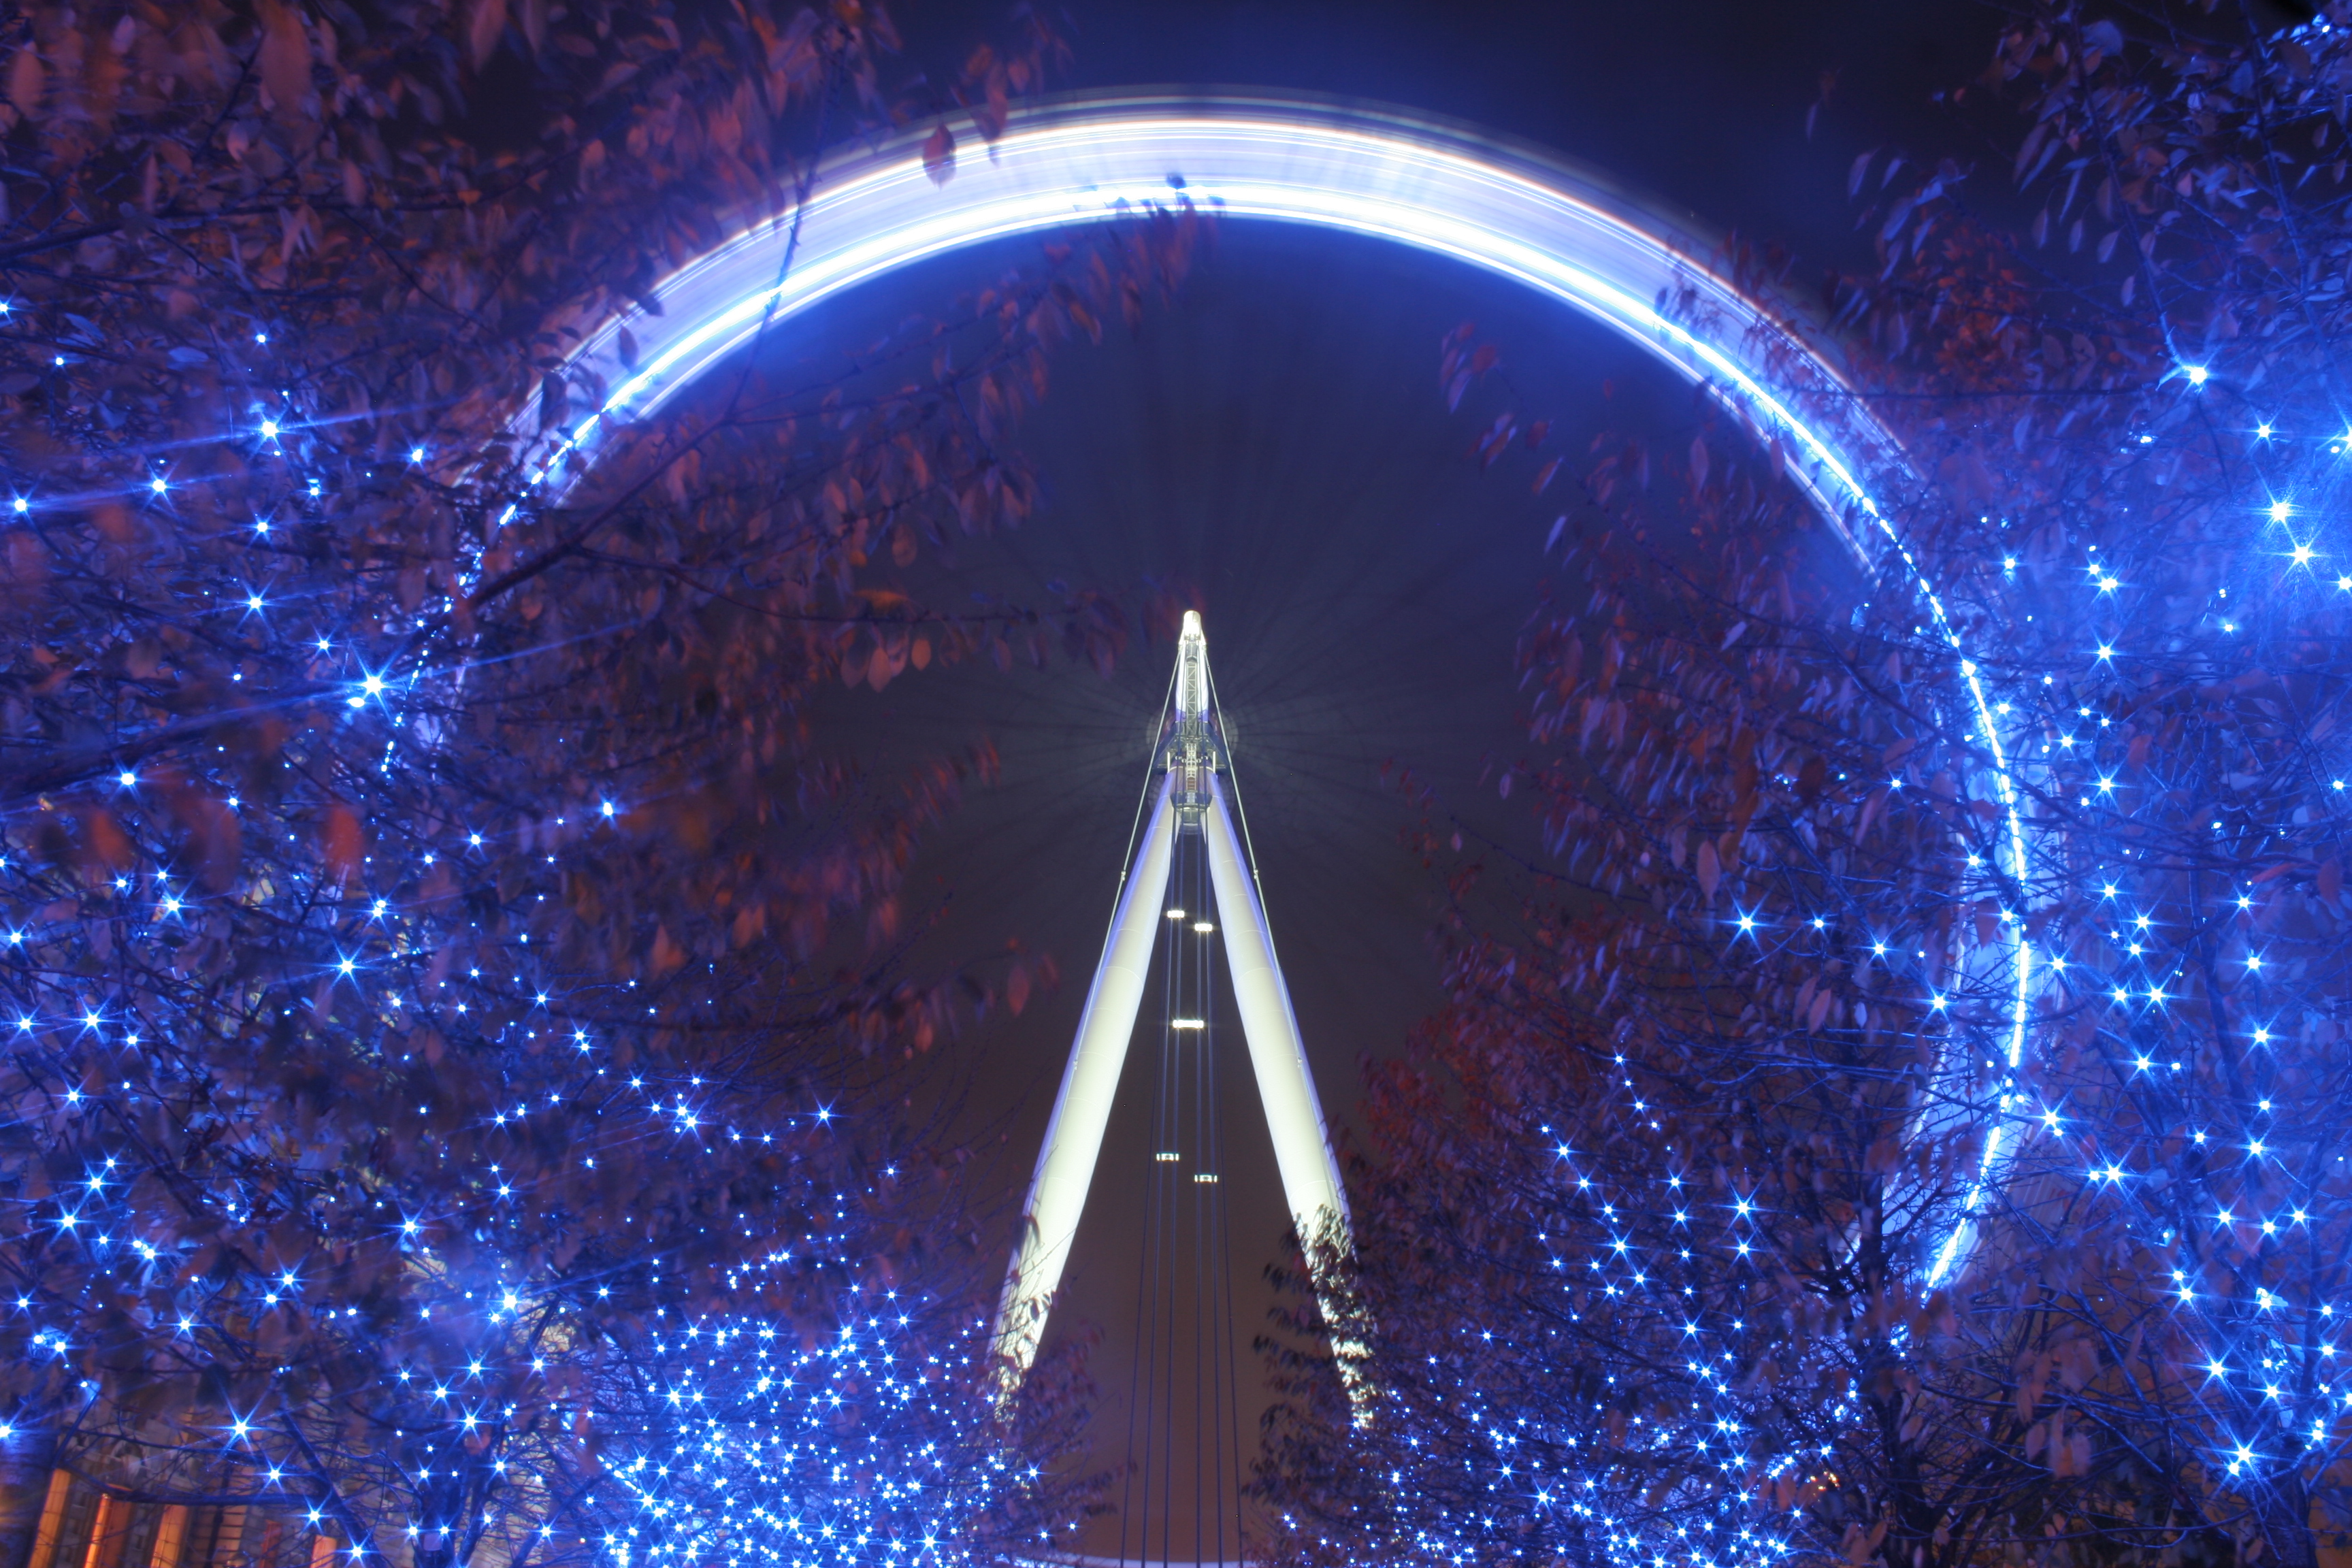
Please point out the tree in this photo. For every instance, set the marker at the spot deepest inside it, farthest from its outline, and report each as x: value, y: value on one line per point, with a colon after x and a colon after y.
x: 1663, y: 1126
x: 427, y: 910
x: 2082, y: 1307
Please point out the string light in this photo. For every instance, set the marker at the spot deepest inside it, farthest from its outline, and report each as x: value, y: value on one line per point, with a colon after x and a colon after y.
x: 735, y: 1412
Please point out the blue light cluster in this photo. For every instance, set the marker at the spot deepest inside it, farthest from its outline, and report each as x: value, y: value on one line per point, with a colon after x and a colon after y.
x: 876, y: 1446
x: 2109, y: 984
x: 364, y: 1230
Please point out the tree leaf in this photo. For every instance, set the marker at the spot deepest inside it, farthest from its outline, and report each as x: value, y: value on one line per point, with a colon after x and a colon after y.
x: 25, y: 80
x: 939, y: 155
x: 485, y: 20
x: 340, y: 843
x: 285, y: 59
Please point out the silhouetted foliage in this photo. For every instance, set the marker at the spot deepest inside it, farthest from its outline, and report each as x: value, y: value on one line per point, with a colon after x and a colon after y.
x: 444, y: 963
x: 1713, y: 1218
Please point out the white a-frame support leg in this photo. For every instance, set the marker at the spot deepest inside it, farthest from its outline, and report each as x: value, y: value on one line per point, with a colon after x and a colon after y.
x: 1065, y: 1165
x: 1189, y: 793
x: 1302, y: 1145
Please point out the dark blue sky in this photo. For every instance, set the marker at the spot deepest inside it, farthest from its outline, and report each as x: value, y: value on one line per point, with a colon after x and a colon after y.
x: 1703, y: 104
x: 1275, y: 444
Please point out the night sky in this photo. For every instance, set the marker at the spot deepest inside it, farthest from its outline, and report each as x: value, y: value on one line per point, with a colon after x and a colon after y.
x: 1274, y: 446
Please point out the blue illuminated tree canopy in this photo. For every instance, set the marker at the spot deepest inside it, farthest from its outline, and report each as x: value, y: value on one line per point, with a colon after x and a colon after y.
x: 447, y: 990
x: 1716, y: 1219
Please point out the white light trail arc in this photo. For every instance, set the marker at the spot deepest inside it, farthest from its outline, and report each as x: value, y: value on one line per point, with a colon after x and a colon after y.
x: 1553, y: 228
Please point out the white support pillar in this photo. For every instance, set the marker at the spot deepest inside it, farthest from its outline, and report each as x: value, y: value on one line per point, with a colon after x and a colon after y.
x: 1286, y: 1088
x: 1065, y: 1165
x: 1190, y: 797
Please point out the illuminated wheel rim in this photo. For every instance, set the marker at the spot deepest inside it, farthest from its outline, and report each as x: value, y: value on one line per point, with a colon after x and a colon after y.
x: 1559, y: 230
